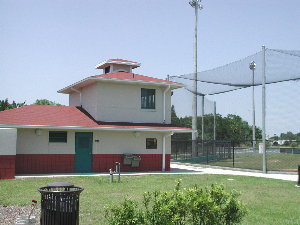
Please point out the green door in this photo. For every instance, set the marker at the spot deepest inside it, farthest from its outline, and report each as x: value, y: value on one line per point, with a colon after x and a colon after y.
x: 83, y: 152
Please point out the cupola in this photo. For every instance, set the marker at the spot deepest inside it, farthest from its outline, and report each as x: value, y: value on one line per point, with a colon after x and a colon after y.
x: 117, y: 65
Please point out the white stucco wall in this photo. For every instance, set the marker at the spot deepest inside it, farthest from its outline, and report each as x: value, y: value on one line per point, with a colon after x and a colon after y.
x: 112, y: 102
x: 89, y: 99
x: 110, y: 142
x: 74, y: 99
x: 122, y: 103
x: 29, y: 142
x: 119, y: 142
x: 8, y: 141
x: 116, y: 68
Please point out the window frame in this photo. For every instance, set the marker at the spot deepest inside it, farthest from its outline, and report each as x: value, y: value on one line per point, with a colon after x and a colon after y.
x: 61, y: 137
x: 146, y: 101
x: 149, y: 146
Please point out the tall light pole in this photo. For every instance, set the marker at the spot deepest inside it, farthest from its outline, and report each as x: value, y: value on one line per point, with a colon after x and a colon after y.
x: 252, y: 66
x: 196, y: 5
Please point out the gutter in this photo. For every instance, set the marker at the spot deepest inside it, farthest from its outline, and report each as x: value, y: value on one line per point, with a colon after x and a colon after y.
x: 164, y: 151
x: 164, y: 103
x: 95, y: 128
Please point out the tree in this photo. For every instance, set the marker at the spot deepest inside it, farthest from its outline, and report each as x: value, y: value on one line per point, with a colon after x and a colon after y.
x: 46, y: 102
x: 231, y: 127
x: 4, y: 105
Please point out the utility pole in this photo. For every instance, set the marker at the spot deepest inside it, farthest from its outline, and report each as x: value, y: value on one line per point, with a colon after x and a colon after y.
x: 252, y: 66
x: 196, y: 5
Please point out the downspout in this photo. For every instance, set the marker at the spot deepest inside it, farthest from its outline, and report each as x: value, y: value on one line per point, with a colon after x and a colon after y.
x: 164, y: 151
x: 164, y: 103
x: 80, y: 99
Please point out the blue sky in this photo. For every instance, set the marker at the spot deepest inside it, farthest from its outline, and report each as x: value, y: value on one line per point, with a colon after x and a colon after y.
x: 47, y: 45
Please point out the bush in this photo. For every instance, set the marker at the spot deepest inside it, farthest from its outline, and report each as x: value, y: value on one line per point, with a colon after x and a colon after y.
x: 294, y: 144
x: 209, y: 206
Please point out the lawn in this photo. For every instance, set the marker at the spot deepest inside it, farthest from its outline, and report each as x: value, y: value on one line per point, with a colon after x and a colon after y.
x: 268, y: 201
x: 275, y: 162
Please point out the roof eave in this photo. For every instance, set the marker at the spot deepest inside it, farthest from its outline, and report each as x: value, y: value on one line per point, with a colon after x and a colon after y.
x: 67, y: 89
x: 149, y: 129
x: 145, y: 129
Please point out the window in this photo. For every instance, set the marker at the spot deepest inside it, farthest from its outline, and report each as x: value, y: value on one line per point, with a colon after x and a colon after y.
x: 148, y: 98
x: 151, y: 143
x: 107, y: 69
x: 58, y: 136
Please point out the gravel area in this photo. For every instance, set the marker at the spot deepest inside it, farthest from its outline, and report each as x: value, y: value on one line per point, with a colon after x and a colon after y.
x: 9, y: 214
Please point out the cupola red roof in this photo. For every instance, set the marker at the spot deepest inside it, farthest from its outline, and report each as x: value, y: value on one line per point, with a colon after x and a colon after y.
x: 121, y: 77
x: 109, y: 62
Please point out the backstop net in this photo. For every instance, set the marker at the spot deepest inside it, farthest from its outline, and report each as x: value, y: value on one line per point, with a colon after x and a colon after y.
x: 232, y: 87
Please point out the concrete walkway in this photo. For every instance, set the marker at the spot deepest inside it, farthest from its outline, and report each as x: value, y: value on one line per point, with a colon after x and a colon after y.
x: 185, y: 167
x: 180, y: 168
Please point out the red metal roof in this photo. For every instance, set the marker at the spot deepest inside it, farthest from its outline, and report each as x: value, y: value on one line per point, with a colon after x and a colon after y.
x: 46, y: 115
x: 121, y: 60
x: 108, y: 62
x: 66, y: 116
x: 133, y: 77
x: 120, y: 77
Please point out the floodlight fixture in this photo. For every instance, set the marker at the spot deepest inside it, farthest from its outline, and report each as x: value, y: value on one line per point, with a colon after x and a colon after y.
x: 252, y: 65
x: 196, y: 4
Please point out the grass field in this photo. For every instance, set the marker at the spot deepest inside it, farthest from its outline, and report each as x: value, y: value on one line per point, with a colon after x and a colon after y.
x: 275, y: 162
x: 268, y: 201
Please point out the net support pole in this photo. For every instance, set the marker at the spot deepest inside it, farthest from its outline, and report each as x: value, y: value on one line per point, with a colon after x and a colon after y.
x: 202, y: 119
x: 264, y: 161
x: 195, y: 4
x: 253, y: 113
x: 215, y: 112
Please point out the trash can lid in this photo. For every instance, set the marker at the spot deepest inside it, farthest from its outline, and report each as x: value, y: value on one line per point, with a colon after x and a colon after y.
x: 60, y: 184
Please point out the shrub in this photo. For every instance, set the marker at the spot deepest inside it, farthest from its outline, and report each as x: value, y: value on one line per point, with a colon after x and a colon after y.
x: 208, y: 206
x: 293, y: 144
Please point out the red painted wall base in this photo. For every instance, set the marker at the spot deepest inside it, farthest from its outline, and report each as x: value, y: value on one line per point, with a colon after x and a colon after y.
x: 44, y: 163
x: 7, y: 166
x: 149, y: 162
x: 64, y: 163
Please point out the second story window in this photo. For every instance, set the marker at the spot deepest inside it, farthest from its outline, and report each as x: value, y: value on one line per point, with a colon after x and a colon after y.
x: 148, y: 98
x: 107, y: 69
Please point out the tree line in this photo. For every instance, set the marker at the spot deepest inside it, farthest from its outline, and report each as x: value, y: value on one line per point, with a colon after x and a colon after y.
x: 230, y: 127
x: 290, y: 136
x: 5, y: 104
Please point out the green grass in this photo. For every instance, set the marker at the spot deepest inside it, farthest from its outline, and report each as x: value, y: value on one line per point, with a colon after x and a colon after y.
x: 268, y: 201
x: 274, y: 162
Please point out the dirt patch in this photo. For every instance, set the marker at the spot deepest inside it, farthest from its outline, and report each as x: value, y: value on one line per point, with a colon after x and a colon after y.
x: 9, y: 214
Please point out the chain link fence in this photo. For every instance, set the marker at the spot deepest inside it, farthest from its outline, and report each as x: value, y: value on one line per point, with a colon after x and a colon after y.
x: 239, y: 154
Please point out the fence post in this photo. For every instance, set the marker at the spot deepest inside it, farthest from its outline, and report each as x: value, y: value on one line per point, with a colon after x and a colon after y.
x: 232, y: 153
x: 298, y: 175
x: 207, y: 159
x: 176, y: 150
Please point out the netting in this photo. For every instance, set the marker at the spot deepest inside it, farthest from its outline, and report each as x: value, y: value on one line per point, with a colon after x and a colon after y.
x: 239, y: 107
x: 182, y: 100
x: 233, y: 81
x: 281, y: 65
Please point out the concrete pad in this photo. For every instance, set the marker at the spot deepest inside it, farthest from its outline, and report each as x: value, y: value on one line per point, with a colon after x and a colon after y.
x: 178, y: 168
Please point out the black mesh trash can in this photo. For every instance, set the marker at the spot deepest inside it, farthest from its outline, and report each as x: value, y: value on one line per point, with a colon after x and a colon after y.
x: 60, y: 204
